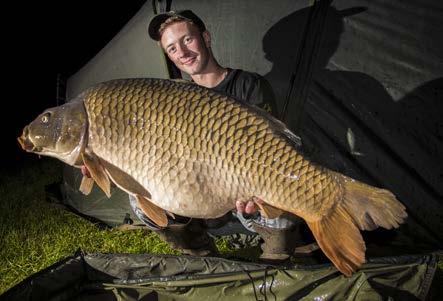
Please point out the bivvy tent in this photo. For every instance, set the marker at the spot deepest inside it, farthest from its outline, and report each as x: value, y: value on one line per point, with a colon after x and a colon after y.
x: 361, y: 82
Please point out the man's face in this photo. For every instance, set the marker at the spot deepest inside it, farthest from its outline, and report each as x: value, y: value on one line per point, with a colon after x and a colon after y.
x: 186, y: 47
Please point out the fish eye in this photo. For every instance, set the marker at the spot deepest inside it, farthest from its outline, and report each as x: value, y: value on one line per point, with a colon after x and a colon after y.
x: 45, y: 117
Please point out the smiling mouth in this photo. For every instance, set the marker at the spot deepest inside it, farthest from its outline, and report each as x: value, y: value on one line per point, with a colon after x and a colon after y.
x: 189, y: 62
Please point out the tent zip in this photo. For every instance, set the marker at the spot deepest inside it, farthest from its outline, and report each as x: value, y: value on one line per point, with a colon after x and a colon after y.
x: 301, y: 78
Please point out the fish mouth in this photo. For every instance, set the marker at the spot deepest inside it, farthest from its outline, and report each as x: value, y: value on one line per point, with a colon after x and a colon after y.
x: 26, y: 143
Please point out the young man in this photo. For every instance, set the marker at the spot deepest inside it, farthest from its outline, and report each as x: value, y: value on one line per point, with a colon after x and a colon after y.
x: 185, y: 40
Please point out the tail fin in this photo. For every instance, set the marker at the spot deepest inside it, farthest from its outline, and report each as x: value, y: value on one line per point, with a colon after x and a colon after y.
x: 372, y: 207
x: 363, y: 207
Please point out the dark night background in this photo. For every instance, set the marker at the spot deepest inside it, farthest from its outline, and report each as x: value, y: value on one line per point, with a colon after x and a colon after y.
x: 43, y: 40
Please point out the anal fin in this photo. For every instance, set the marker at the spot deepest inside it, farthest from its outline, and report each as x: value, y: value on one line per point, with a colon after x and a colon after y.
x: 267, y: 210
x: 340, y: 239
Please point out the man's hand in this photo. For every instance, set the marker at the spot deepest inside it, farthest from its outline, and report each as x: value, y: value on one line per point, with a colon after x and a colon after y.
x: 248, y: 207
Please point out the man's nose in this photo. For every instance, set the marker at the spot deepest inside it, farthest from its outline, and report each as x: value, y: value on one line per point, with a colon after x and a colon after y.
x: 182, y: 50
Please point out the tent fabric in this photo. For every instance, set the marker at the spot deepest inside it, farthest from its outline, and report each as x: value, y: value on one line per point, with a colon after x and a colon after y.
x: 154, y: 277
x: 372, y: 111
x: 129, y: 54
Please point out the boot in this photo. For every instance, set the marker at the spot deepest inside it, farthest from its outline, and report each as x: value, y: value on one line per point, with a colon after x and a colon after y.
x: 190, y: 238
x: 278, y: 244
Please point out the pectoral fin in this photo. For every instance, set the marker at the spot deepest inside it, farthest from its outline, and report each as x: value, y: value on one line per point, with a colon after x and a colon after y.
x: 152, y: 211
x: 124, y: 181
x: 86, y: 185
x: 127, y: 183
x: 97, y: 171
x: 268, y: 211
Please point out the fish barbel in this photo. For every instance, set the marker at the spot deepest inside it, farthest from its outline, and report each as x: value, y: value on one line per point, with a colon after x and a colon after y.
x: 184, y: 149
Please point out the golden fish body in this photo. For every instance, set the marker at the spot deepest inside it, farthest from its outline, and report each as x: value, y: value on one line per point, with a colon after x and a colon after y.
x: 194, y: 152
x: 197, y: 151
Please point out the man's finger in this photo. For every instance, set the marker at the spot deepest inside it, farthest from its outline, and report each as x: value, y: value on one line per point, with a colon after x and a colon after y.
x: 240, y: 206
x: 251, y: 208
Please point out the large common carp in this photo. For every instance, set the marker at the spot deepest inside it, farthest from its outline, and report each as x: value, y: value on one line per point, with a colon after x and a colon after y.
x: 184, y: 149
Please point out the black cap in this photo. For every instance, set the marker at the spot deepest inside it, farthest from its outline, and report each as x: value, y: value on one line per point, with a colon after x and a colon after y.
x: 159, y: 19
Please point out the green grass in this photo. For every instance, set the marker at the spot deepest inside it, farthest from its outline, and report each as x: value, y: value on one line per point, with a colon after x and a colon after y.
x: 35, y: 234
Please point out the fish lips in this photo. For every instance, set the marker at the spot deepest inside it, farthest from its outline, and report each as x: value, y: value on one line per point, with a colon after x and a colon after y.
x: 26, y: 143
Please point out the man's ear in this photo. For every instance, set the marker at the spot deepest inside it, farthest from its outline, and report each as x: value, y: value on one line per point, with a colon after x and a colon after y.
x: 207, y: 38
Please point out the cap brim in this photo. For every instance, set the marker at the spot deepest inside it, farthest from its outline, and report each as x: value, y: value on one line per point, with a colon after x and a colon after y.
x: 159, y: 19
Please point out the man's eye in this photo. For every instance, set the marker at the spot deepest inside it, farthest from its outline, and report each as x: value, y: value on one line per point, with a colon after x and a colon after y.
x: 171, y: 50
x: 188, y: 40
